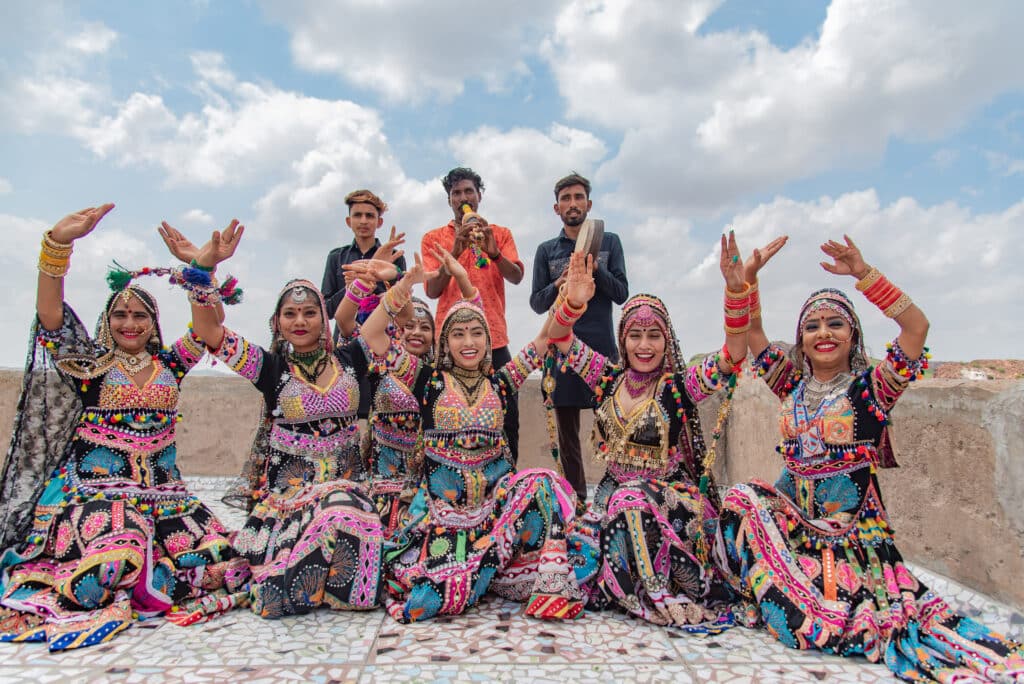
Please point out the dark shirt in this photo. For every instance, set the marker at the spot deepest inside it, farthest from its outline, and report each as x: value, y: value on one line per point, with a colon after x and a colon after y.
x: 333, y: 289
x: 595, y: 326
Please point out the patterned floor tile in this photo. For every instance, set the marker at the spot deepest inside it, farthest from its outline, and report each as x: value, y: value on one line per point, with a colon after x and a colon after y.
x: 761, y: 673
x: 498, y: 632
x: 539, y: 674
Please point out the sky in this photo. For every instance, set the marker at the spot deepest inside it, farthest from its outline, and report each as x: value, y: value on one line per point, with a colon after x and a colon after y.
x: 898, y: 123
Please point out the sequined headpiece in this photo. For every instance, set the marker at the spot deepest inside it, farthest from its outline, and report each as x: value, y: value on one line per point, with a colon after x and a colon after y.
x: 462, y: 311
x: 647, y: 311
x: 299, y: 290
x: 831, y: 299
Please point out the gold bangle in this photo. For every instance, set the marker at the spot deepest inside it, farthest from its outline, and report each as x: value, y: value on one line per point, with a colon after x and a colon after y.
x: 868, y: 280
x: 52, y: 245
x: 899, y: 306
x: 737, y: 331
x: 736, y: 296
x: 53, y: 270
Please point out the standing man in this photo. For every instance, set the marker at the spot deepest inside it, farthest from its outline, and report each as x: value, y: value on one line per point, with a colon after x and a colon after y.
x: 464, y: 186
x: 572, y: 203
x: 365, y: 217
x: 365, y: 211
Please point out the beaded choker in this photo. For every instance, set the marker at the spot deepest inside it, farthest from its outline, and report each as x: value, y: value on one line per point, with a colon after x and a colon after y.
x: 470, y: 380
x: 310, y: 364
x: 637, y: 384
x: 133, y: 363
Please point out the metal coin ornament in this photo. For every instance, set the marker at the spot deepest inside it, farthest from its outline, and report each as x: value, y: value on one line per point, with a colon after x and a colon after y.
x: 299, y: 295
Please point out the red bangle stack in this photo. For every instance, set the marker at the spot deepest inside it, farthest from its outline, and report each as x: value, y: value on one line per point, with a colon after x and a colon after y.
x: 737, y: 311
x: 883, y: 294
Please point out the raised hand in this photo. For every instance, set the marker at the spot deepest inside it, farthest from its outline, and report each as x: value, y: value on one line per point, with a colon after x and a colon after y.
x: 178, y: 245
x: 371, y: 270
x: 448, y: 262
x: 759, y: 257
x: 731, y: 264
x: 221, y: 245
x: 79, y: 224
x: 846, y: 259
x: 579, y: 279
x: 416, y: 274
x: 387, y: 251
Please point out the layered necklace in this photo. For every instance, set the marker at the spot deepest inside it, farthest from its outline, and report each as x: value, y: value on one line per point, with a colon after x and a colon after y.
x: 816, y: 391
x: 637, y: 384
x: 471, y: 381
x: 133, y: 363
x: 310, y: 364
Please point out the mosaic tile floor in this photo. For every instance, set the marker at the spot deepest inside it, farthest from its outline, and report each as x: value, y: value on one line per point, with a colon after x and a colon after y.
x: 492, y: 643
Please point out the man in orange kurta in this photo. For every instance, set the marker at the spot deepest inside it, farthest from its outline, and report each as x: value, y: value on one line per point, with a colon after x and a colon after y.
x: 464, y: 186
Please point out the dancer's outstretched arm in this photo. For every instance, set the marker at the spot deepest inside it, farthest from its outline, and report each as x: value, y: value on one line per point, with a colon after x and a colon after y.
x: 55, y: 258
x: 221, y: 246
x: 847, y: 260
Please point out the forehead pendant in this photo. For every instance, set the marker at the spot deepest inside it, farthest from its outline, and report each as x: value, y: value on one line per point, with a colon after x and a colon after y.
x: 299, y: 295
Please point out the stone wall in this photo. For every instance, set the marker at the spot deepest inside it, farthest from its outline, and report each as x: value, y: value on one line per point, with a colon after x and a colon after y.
x: 957, y: 502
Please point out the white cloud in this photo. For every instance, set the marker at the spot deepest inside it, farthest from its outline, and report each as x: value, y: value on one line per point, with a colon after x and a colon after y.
x: 95, y: 38
x: 5, y: 186
x: 197, y: 217
x: 56, y: 88
x: 411, y: 51
x: 711, y: 116
x: 958, y: 266
x: 1003, y: 164
x: 520, y: 167
x: 244, y: 131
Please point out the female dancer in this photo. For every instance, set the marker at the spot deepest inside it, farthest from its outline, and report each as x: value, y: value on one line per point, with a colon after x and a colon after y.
x: 656, y: 507
x: 312, y: 537
x: 815, y: 551
x: 394, y: 452
x: 95, y: 519
x: 483, y: 525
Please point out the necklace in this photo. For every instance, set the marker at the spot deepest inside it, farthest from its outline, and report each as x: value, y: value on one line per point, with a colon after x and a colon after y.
x: 470, y: 381
x: 310, y: 364
x: 133, y: 363
x: 639, y: 383
x: 816, y: 391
